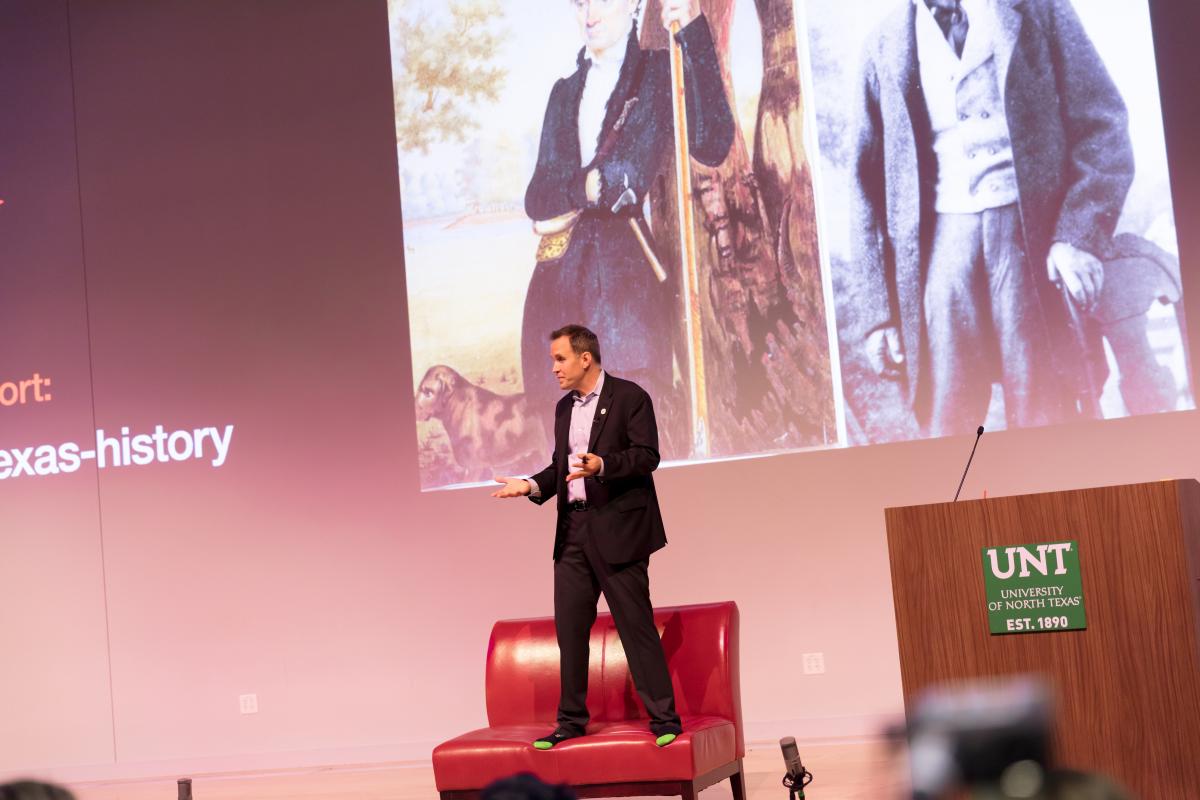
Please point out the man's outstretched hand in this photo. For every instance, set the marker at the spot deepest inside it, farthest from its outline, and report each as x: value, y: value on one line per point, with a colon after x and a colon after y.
x: 513, y: 487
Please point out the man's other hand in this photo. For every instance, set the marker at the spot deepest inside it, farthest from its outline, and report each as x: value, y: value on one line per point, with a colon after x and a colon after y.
x: 885, y: 353
x: 591, y: 186
x: 679, y: 11
x: 589, y: 464
x: 1079, y: 270
x: 513, y: 487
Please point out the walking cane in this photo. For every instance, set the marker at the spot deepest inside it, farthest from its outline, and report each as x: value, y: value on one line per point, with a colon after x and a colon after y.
x: 1089, y: 400
x: 691, y: 274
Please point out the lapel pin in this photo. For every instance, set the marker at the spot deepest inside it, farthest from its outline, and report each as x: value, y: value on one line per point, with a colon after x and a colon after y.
x: 603, y: 411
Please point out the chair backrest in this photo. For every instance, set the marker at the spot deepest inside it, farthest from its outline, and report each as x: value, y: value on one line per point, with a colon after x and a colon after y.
x: 700, y: 641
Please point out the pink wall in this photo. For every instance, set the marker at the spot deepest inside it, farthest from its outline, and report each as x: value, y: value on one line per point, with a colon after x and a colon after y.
x: 241, y: 244
x: 54, y: 699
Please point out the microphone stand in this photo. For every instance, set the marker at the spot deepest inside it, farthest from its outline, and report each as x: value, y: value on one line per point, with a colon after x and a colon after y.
x: 797, y: 783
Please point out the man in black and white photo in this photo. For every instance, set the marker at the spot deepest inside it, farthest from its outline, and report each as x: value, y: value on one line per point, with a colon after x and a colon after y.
x: 991, y: 158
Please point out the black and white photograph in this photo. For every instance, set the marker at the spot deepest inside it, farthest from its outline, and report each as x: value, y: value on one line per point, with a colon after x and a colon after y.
x: 994, y: 192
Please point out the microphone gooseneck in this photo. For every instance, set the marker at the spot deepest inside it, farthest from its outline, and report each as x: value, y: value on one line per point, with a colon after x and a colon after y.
x: 978, y: 434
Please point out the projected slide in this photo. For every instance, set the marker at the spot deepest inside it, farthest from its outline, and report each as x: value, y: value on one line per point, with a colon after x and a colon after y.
x: 924, y: 217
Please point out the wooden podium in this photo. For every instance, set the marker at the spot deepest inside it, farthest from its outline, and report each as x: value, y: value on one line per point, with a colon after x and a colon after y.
x: 1128, y: 687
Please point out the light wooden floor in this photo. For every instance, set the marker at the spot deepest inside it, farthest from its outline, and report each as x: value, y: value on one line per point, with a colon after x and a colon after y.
x: 843, y: 771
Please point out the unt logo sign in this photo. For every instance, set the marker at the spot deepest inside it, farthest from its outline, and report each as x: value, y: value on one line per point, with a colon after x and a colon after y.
x: 1035, y: 587
x: 1029, y: 559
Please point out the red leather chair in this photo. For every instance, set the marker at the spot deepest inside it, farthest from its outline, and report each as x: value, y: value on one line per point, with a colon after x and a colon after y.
x: 618, y: 757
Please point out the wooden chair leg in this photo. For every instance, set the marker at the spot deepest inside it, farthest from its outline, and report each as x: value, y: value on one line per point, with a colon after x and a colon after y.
x: 689, y: 791
x: 737, y: 782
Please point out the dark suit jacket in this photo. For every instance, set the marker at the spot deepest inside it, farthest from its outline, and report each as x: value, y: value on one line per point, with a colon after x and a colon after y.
x: 639, y: 121
x: 604, y: 264
x: 626, y: 524
x: 1071, y: 151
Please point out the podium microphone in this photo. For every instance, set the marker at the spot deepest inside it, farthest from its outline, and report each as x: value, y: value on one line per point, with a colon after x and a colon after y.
x: 797, y: 776
x: 978, y: 434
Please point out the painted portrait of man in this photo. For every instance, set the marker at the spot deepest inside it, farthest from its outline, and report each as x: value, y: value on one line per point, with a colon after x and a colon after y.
x: 540, y: 183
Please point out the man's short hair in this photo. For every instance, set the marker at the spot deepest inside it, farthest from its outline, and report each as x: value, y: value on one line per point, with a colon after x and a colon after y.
x: 33, y: 790
x: 582, y: 340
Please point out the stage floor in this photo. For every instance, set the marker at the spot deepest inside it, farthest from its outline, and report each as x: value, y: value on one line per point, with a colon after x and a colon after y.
x: 843, y: 771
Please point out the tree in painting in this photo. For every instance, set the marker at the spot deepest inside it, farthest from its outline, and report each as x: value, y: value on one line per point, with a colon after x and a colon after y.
x: 445, y: 66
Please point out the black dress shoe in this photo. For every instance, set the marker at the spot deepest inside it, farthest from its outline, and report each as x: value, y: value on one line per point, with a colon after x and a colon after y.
x: 559, y: 735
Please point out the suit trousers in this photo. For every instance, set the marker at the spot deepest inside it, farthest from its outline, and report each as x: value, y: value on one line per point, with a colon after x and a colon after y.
x: 580, y: 575
x: 984, y: 321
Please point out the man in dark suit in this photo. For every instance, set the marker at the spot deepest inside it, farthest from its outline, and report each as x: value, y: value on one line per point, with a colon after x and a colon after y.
x: 992, y: 158
x: 606, y: 138
x: 605, y: 447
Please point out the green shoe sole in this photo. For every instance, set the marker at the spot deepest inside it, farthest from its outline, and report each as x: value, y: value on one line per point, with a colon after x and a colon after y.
x: 543, y: 745
x: 665, y: 739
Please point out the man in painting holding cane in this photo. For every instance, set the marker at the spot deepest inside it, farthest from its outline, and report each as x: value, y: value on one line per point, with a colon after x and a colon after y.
x: 606, y: 137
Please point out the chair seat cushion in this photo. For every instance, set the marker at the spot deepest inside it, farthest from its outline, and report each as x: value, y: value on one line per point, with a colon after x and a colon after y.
x: 624, y: 749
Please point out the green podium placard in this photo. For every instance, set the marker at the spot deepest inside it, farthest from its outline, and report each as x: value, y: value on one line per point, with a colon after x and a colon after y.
x: 1034, y: 588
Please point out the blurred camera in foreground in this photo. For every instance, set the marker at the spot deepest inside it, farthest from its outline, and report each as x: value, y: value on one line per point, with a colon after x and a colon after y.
x: 993, y: 739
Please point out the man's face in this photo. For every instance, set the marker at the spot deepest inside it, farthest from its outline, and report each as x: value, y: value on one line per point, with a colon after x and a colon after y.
x: 604, y: 23
x: 569, y: 366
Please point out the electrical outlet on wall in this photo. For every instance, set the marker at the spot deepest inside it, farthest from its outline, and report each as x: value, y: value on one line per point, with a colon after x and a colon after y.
x: 248, y: 703
x: 814, y: 663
